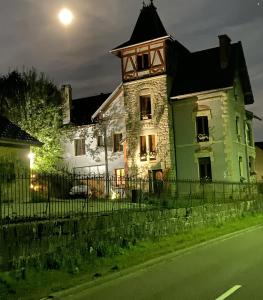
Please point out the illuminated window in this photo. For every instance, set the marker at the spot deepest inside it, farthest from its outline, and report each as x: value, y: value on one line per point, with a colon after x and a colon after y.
x: 152, y: 147
x: 79, y: 145
x: 202, y: 129
x: 120, y: 177
x: 143, y: 152
x: 205, y: 170
x: 100, y: 141
x: 117, y: 146
x: 145, y: 107
x: 142, y: 61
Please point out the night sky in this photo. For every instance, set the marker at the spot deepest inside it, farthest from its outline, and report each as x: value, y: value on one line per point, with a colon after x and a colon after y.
x: 31, y: 36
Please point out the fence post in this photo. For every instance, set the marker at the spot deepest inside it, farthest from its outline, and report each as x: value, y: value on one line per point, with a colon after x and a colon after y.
x: 88, y: 196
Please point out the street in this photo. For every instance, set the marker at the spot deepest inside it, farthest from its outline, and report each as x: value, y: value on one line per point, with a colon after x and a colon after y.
x: 231, y: 268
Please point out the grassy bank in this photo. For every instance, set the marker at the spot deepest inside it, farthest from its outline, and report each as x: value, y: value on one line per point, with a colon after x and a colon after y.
x: 35, y: 283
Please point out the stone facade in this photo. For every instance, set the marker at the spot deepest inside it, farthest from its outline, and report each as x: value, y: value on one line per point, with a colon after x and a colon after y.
x: 157, y: 88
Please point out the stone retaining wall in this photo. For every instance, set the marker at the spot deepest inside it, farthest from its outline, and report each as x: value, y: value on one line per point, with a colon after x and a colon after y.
x: 20, y: 244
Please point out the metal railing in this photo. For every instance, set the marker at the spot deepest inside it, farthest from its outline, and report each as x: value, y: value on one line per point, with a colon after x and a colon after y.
x: 47, y: 196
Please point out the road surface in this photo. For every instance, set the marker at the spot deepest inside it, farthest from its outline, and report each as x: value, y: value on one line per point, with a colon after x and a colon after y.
x: 231, y: 268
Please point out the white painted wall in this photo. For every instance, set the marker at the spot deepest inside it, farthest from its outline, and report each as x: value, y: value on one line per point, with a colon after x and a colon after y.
x: 94, y: 159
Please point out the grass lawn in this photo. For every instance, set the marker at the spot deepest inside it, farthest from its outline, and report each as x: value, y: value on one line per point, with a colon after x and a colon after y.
x: 35, y: 284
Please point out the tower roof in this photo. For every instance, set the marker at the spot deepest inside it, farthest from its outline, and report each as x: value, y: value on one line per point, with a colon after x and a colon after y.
x: 148, y: 27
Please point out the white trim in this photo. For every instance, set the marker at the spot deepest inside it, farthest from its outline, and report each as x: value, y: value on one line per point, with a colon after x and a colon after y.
x: 179, y: 97
x: 127, y: 47
x: 106, y: 102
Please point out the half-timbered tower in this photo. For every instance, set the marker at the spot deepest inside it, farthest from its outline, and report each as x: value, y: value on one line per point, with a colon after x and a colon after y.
x: 147, y: 77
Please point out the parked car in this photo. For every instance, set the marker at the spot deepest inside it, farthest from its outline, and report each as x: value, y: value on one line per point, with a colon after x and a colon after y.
x: 79, y: 191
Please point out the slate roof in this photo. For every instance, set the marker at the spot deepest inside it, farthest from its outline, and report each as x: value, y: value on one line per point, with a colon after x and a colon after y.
x: 84, y: 108
x: 201, y: 71
x: 9, y: 132
x: 148, y: 27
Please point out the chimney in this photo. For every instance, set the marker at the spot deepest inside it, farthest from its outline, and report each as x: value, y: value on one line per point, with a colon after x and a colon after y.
x: 224, y: 50
x: 66, y: 92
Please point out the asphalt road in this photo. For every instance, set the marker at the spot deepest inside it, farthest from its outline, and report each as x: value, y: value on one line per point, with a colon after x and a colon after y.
x: 226, y: 269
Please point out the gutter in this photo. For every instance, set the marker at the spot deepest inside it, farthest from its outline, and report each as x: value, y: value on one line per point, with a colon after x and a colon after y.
x: 183, y: 96
x: 134, y: 45
x: 174, y: 142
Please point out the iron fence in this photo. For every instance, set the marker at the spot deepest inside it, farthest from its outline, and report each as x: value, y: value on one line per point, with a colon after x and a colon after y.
x: 48, y: 196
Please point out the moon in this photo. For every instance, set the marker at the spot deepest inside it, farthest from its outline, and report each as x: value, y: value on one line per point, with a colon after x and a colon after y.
x: 65, y: 16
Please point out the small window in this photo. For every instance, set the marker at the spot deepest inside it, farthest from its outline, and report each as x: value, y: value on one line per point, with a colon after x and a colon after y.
x: 152, y: 147
x: 237, y: 130
x: 202, y: 129
x: 143, y: 152
x: 117, y: 146
x: 205, y: 171
x: 249, y: 134
x: 79, y: 145
x: 145, y: 107
x: 240, y: 163
x: 142, y: 61
x: 120, y: 177
x: 251, y: 163
x: 100, y: 141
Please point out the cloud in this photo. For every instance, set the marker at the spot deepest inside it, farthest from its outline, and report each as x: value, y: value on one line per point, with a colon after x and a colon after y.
x: 31, y: 36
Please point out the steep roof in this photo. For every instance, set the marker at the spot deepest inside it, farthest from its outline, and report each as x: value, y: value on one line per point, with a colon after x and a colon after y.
x: 148, y: 27
x: 201, y: 71
x: 84, y: 108
x: 9, y: 132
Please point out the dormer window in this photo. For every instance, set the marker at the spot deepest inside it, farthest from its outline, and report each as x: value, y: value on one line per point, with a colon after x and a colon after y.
x: 145, y: 107
x: 142, y: 61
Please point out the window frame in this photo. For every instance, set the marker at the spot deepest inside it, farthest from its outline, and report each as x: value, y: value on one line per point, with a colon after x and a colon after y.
x: 249, y: 135
x: 145, y: 103
x: 238, y: 132
x: 143, y: 61
x: 206, y: 177
x: 152, y: 146
x: 143, y: 148
x: 100, y: 141
x: 202, y: 133
x: 117, y: 146
x: 120, y: 179
x: 79, y: 147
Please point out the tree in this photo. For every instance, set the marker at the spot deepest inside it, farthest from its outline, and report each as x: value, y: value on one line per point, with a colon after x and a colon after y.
x: 34, y: 103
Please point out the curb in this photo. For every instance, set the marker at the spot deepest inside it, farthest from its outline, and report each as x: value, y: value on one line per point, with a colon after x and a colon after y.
x: 96, y: 282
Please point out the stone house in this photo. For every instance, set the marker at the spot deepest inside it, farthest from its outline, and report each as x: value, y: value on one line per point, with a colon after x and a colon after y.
x: 88, y: 121
x: 185, y: 111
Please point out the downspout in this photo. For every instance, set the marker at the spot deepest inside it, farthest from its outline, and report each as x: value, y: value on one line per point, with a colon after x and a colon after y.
x: 246, y: 151
x: 174, y: 144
